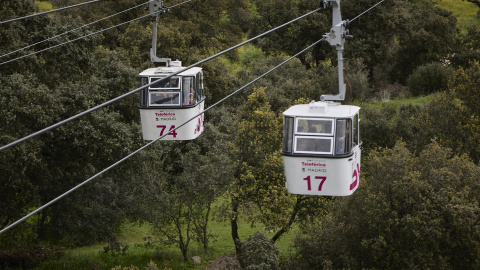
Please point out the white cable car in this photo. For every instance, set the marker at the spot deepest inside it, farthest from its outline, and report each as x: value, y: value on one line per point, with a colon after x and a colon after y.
x: 321, y: 140
x: 171, y: 102
x: 321, y: 149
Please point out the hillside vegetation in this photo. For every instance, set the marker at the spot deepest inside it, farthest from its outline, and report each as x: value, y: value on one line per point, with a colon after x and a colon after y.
x: 466, y: 12
x: 412, y: 67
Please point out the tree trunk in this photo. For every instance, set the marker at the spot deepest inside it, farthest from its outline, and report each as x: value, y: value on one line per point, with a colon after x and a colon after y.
x: 234, y: 225
x: 298, y: 206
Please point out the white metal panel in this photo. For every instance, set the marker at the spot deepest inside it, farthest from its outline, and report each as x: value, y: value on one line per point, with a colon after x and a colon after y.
x: 322, y: 176
x: 157, y: 122
x: 322, y: 109
x: 168, y: 70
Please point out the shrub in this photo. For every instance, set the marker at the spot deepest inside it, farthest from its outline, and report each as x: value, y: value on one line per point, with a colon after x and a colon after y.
x: 27, y: 256
x: 414, y: 211
x: 258, y: 252
x: 429, y: 78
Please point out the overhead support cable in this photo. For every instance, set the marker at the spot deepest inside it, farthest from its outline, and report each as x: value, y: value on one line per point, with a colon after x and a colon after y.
x: 154, y: 141
x: 73, y: 40
x: 147, y: 85
x: 70, y: 31
x: 50, y: 11
x: 194, y: 117
x: 366, y: 11
x: 85, y: 36
x: 179, y: 4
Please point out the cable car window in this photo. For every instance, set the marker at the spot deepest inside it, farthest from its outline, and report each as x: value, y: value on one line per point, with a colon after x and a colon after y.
x: 144, y: 92
x: 356, y: 140
x: 343, y: 136
x: 315, y: 126
x: 314, y: 145
x: 170, y: 83
x: 198, y: 80
x: 189, y: 93
x: 164, y: 98
x: 288, y: 134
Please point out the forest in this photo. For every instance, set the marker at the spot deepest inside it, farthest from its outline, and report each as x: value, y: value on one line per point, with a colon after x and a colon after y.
x: 413, y: 66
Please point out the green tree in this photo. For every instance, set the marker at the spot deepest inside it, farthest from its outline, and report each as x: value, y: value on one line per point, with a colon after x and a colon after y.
x: 414, y: 211
x: 53, y: 87
x: 258, y: 190
x: 429, y: 78
x: 470, y: 49
x: 294, y: 37
x: 179, y: 183
x: 453, y: 117
x: 258, y: 252
x: 25, y: 104
x: 392, y: 40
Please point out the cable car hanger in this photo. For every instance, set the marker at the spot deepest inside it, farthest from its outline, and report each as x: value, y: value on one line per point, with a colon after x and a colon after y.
x: 336, y: 37
x: 156, y: 8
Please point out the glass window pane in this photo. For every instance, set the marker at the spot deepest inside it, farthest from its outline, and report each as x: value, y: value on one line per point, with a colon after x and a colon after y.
x: 189, y: 93
x: 316, y: 145
x: 355, y: 130
x: 170, y: 83
x: 315, y: 126
x: 343, y: 136
x: 288, y: 134
x: 164, y: 98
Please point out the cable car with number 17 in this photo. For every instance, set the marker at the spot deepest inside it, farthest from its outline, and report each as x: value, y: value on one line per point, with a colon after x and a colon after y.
x: 321, y: 140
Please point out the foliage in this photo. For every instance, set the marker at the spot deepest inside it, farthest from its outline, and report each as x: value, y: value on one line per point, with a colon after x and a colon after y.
x: 395, y: 40
x: 429, y: 78
x: 412, y: 212
x: 27, y: 257
x: 384, y: 126
x: 150, y: 266
x: 470, y: 50
x: 37, y: 173
x: 294, y: 37
x: 453, y: 117
x: 116, y: 249
x: 179, y: 193
x: 258, y: 186
x: 258, y: 252
x: 356, y: 79
x: 259, y: 175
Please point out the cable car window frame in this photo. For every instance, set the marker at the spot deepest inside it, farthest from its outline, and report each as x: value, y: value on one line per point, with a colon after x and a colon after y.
x: 330, y: 139
x: 330, y: 120
x: 288, y: 132
x: 169, y: 80
x: 344, y: 130
x: 356, y: 130
x: 144, y: 93
x: 199, y: 84
x: 176, y: 93
x: 186, y: 92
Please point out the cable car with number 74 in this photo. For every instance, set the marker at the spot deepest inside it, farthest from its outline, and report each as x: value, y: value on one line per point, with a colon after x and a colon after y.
x: 172, y: 95
x: 171, y: 102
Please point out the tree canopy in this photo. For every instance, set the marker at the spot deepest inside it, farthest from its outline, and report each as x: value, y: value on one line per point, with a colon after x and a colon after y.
x: 417, y: 205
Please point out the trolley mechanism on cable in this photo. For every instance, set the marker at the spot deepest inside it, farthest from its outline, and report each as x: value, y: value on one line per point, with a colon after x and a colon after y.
x: 321, y: 140
x: 169, y: 102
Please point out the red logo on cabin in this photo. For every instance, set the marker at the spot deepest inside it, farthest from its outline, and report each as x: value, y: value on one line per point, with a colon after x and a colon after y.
x: 313, y: 164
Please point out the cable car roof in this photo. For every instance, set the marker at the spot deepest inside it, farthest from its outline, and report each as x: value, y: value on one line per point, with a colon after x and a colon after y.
x: 322, y: 109
x: 168, y: 70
